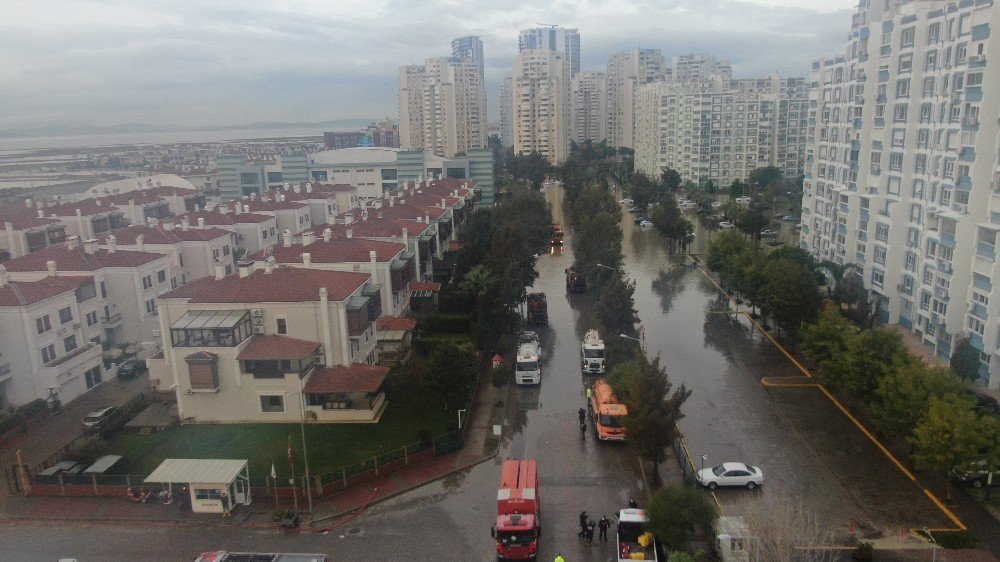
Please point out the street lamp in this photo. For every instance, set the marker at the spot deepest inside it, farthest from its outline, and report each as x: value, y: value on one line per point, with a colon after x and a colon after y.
x: 606, y: 266
x: 703, y: 459
x: 934, y: 542
x: 642, y: 342
x: 305, y: 452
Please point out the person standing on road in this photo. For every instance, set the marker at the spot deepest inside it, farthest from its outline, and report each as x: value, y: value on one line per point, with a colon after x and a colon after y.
x: 583, y: 524
x: 590, y: 393
x: 603, y: 526
x: 559, y: 558
x: 582, y: 414
x: 590, y: 532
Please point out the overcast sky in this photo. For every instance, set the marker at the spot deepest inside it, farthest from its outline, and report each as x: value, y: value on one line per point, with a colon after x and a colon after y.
x: 184, y: 62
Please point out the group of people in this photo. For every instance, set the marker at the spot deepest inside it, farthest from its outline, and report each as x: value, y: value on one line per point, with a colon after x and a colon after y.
x: 587, y: 526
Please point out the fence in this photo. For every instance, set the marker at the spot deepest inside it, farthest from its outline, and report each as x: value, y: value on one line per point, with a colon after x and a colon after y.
x: 685, y: 461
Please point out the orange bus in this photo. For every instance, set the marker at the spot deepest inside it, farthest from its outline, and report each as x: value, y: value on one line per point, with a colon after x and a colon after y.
x: 557, y: 235
x: 609, y: 413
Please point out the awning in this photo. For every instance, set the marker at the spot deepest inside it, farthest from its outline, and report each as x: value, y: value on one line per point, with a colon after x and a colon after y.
x: 270, y: 347
x: 208, y: 319
x: 200, y: 471
x: 102, y: 464
x: 352, y: 378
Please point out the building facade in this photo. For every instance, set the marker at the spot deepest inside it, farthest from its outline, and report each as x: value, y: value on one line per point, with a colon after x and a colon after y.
x: 553, y: 38
x: 722, y: 130
x: 902, y: 173
x: 468, y: 48
x: 700, y: 68
x: 412, y: 80
x: 589, y: 99
x: 627, y: 72
x: 541, y: 104
x: 507, y: 110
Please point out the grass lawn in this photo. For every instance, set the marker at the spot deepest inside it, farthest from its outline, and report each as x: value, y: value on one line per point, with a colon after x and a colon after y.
x: 406, y: 420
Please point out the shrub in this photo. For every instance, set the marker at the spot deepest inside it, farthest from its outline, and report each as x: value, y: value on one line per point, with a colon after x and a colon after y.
x: 448, y: 323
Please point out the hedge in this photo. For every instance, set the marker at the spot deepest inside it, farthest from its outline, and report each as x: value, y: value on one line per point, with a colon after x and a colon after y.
x: 448, y: 323
x: 24, y: 412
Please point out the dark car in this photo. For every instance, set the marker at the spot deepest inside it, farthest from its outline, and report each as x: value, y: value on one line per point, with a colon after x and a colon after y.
x: 132, y: 368
x: 975, y: 474
x: 983, y: 403
x: 638, y: 220
x: 100, y: 417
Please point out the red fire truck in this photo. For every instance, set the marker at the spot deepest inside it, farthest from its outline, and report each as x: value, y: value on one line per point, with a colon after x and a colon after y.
x: 518, y: 528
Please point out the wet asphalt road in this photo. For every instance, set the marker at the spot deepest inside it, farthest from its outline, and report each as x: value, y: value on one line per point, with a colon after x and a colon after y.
x: 807, y: 449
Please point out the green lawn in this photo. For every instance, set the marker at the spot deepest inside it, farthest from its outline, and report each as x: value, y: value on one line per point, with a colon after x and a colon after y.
x: 406, y: 420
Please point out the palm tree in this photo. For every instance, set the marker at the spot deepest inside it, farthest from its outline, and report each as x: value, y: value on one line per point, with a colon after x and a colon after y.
x: 476, y: 284
x: 837, y: 272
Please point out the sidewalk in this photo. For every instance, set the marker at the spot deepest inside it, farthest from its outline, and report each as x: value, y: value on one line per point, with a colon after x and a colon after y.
x: 259, y: 514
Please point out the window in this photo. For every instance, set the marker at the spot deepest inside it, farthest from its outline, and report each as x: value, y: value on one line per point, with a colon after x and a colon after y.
x: 161, y: 276
x: 104, y: 291
x: 898, y: 137
x: 906, y: 38
x: 933, y: 33
x: 899, y: 113
x: 92, y: 318
x: 925, y: 301
x: 929, y: 86
x: 42, y: 324
x: 930, y: 63
x: 920, y: 164
x: 147, y: 282
x: 225, y: 250
x: 86, y: 291
x: 905, y: 63
x: 878, y: 278
x: 248, y: 178
x: 274, y: 177
x: 980, y: 298
x: 940, y: 307
x: 282, y: 326
x: 69, y: 343
x: 151, y: 306
x: 49, y: 353
x: 319, y: 175
x: 272, y: 403
x: 896, y: 161
x: 65, y: 315
x: 879, y: 255
x: 207, y: 494
x: 923, y: 138
x: 926, y: 110
x: 903, y: 88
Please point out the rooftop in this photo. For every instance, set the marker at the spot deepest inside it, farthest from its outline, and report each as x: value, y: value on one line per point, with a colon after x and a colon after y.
x: 268, y: 347
x: 337, y: 250
x: 283, y: 284
x: 395, y: 323
x: 22, y: 293
x: 159, y: 235
x: 374, y: 228
x: 352, y: 378
x: 78, y: 259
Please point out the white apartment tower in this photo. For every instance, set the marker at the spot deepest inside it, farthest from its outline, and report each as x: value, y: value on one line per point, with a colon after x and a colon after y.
x: 627, y: 71
x: 589, y: 98
x: 507, y: 110
x: 541, y: 104
x: 721, y: 130
x: 553, y: 38
x: 412, y: 81
x: 902, y: 175
x: 701, y: 67
x: 452, y: 102
x: 468, y: 49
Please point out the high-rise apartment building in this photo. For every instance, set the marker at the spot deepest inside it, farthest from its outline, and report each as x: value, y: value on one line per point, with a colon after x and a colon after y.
x: 701, y: 67
x: 507, y: 110
x: 902, y: 175
x: 627, y: 71
x: 541, y: 104
x: 468, y: 49
x: 722, y: 130
x: 565, y: 41
x: 442, y: 106
x: 589, y: 98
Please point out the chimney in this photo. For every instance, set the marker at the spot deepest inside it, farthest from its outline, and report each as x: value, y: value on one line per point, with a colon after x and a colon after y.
x: 253, y: 196
x: 220, y: 271
x: 296, y: 189
x: 29, y: 203
x: 51, y: 266
x: 90, y: 245
x: 350, y: 233
x: 406, y: 237
x: 201, y: 222
x: 72, y: 242
x: 287, y: 186
x: 444, y: 203
x: 286, y: 236
x: 238, y: 209
x: 392, y: 201
x: 381, y: 215
x: 269, y: 264
x: 308, y: 237
x: 41, y: 213
x: 224, y: 210
x: 374, y: 259
x: 306, y: 259
x: 112, y: 243
x: 427, y: 218
x: 185, y: 223
x: 245, y: 268
x: 402, y: 201
x: 327, y: 234
x: 98, y: 202
x: 4, y: 276
x: 140, y: 241
x: 168, y: 226
x: 197, y: 208
x: 309, y: 188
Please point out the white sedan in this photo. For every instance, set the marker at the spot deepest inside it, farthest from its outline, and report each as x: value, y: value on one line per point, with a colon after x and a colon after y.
x: 731, y: 474
x: 726, y: 225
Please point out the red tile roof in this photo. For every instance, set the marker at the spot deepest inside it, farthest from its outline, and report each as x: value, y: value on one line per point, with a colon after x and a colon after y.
x: 22, y: 293
x: 284, y: 284
x: 402, y: 211
x: 26, y: 222
x: 353, y: 378
x: 200, y: 356
x: 395, y: 323
x: 218, y: 219
x: 158, y: 235
x: 330, y: 187
x: 425, y: 286
x: 79, y: 260
x: 374, y: 228
x: 87, y: 207
x: 259, y: 206
x: 137, y: 197
x: 337, y: 250
x: 265, y: 347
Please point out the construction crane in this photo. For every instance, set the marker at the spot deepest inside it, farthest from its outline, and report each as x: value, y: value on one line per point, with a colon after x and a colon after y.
x: 548, y: 25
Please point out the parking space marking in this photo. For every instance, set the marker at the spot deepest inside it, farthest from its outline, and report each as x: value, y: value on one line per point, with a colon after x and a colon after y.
x: 776, y: 382
x: 687, y: 451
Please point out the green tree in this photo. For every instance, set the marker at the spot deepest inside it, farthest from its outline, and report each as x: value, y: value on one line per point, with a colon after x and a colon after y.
x: 949, y: 434
x: 868, y: 358
x: 738, y: 189
x: 671, y: 180
x: 669, y: 221
x: 789, y: 294
x: 448, y: 373
x: 477, y: 284
x: 598, y: 240
x: 475, y: 237
x: 653, y: 413
x: 965, y: 361
x: 827, y: 337
x: 903, y: 396
x: 723, y: 249
x: 763, y: 178
x: 751, y: 222
x: 615, y: 307
x: 676, y: 514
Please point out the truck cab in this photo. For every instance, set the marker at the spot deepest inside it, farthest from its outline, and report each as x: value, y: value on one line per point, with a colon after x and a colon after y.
x: 634, y: 541
x: 518, y: 528
x: 592, y: 353
x: 528, y: 368
x: 609, y: 413
x: 538, y: 309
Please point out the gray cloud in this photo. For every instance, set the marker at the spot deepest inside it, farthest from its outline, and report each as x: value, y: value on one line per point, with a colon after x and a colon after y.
x: 183, y: 63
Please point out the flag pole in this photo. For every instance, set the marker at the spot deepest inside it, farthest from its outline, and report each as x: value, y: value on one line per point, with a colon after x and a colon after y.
x: 274, y: 482
x: 291, y: 464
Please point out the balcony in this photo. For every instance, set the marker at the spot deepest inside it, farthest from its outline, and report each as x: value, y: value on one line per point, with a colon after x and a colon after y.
x: 964, y: 183
x: 986, y: 250
x: 978, y: 310
x: 974, y: 93
x: 945, y: 267
x: 112, y: 321
x: 970, y: 124
x: 967, y: 154
x: 947, y: 239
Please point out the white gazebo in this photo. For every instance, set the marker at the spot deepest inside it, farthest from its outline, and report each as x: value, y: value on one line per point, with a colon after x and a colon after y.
x: 215, y: 485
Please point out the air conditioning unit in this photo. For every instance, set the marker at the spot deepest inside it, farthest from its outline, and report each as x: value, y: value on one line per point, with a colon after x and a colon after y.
x: 62, y: 330
x: 900, y: 288
x: 977, y: 58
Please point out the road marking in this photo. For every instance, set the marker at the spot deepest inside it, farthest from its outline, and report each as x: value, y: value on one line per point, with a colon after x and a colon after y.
x: 775, y: 382
x: 694, y: 469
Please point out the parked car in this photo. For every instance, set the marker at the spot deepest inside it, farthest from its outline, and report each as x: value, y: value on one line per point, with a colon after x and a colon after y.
x: 634, y: 210
x: 641, y: 219
x: 99, y: 417
x: 798, y: 226
x: 790, y: 218
x: 983, y: 403
x: 716, y: 204
x: 626, y: 201
x: 731, y: 474
x: 726, y: 225
x: 974, y: 474
x: 132, y: 368
x: 768, y: 232
x: 646, y: 224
